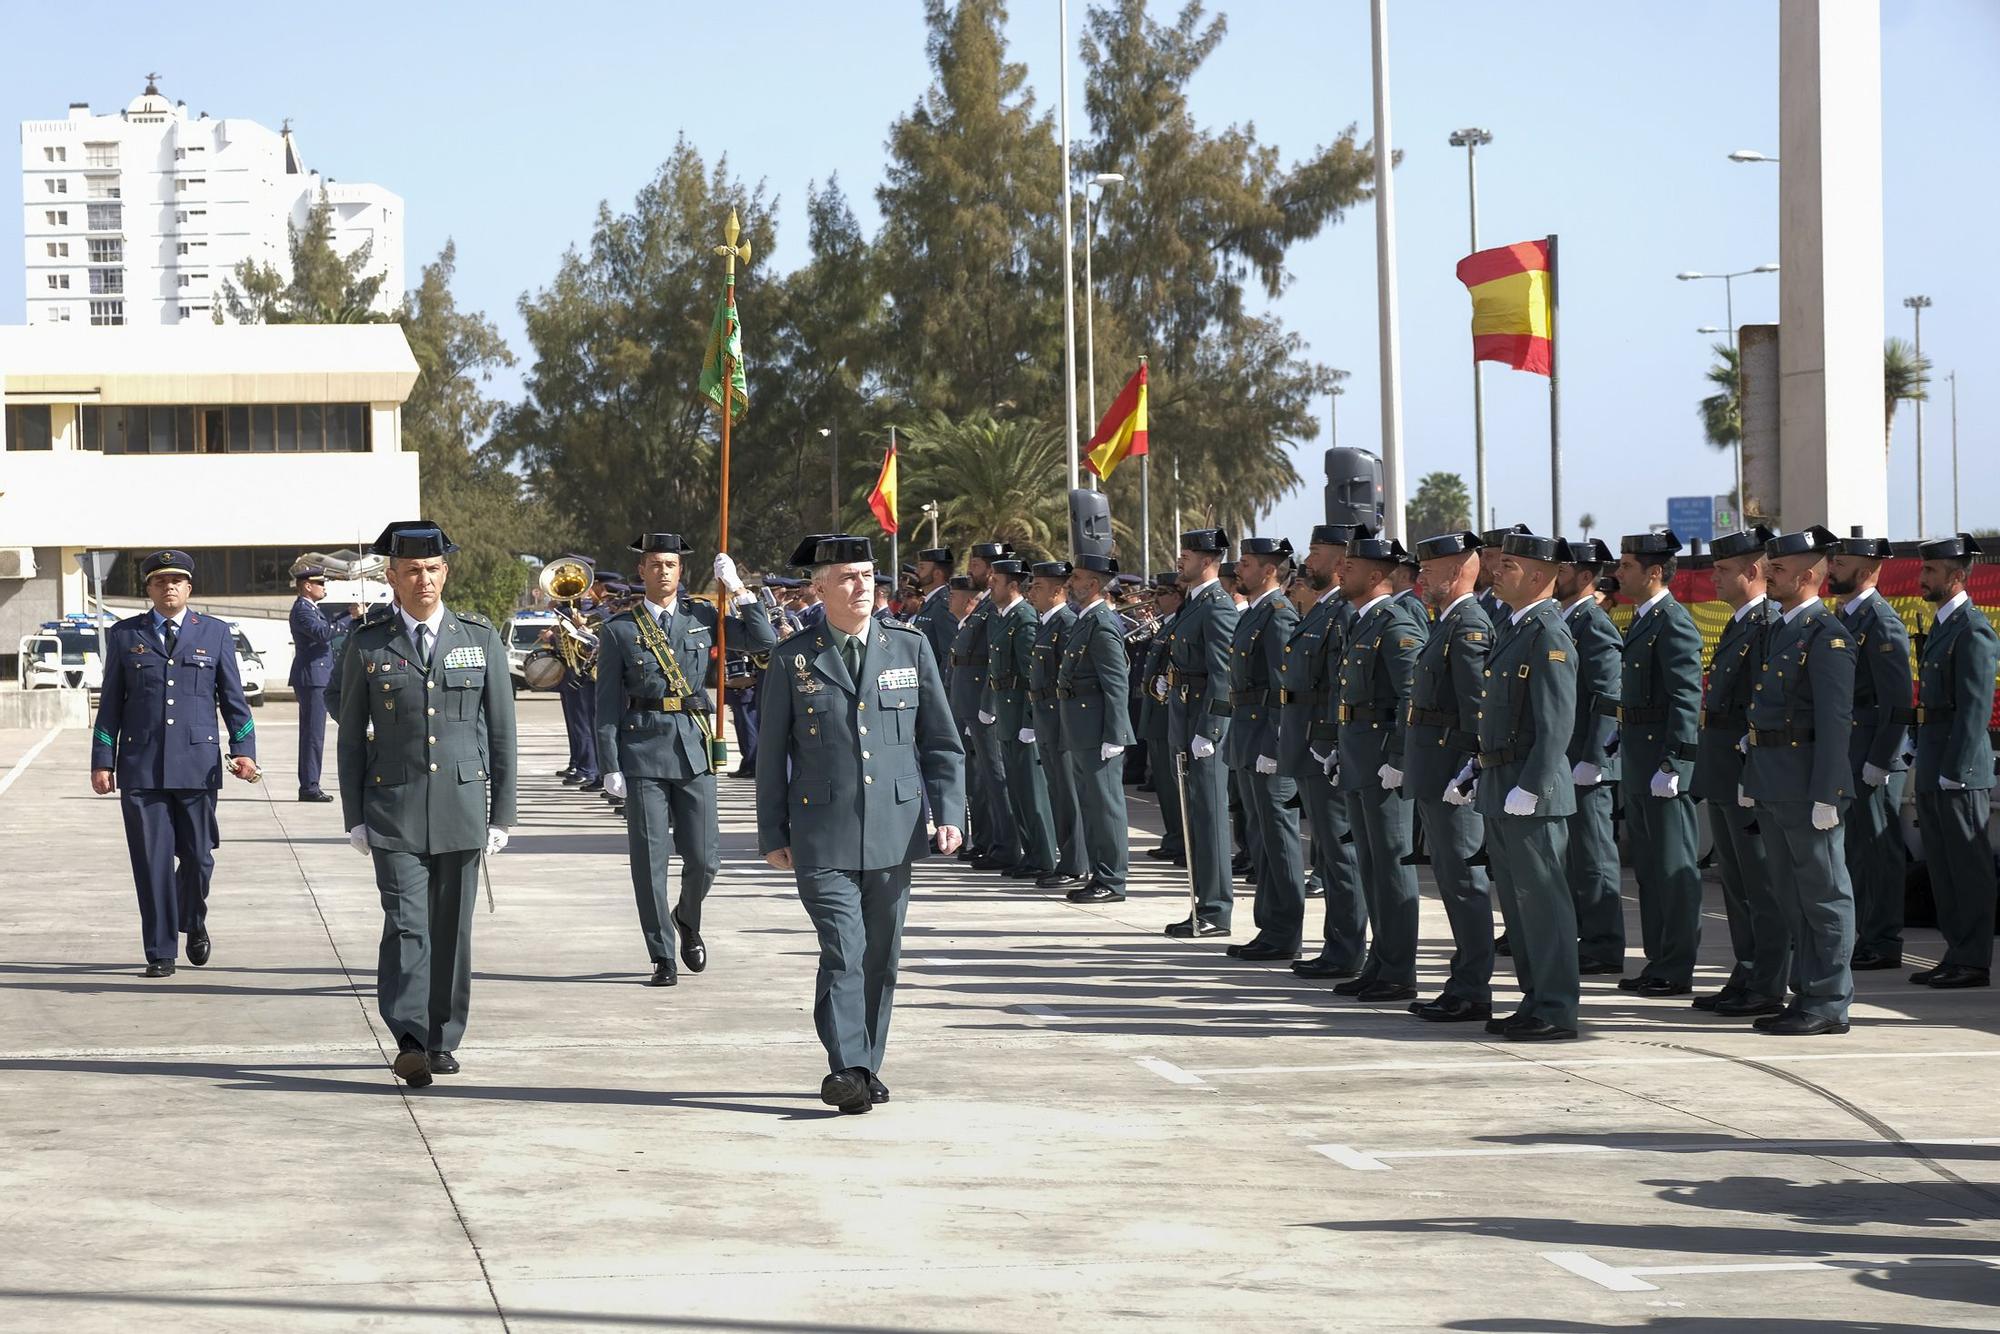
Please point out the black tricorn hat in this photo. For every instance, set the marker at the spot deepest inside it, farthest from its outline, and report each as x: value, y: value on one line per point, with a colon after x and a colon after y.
x: 1205, y: 539
x: 1529, y: 546
x: 1448, y: 544
x: 833, y: 549
x: 1332, y: 534
x: 1226, y: 570
x: 937, y: 555
x: 413, y: 539
x: 1949, y: 548
x: 1369, y: 545
x: 1662, y: 543
x: 1741, y: 543
x: 1812, y: 540
x: 1265, y: 546
x: 1009, y: 566
x: 1051, y: 569
x: 962, y: 583
x: 1497, y: 537
x: 991, y: 551
x: 673, y: 544
x: 166, y: 562
x: 1100, y: 565
x: 884, y: 581
x: 802, y: 554
x: 1589, y: 551
x: 1870, y: 548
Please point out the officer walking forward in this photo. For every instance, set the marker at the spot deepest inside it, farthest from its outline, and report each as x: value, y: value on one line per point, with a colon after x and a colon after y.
x: 429, y: 792
x: 1198, y: 722
x: 1592, y: 857
x: 1308, y: 746
x: 312, y: 667
x: 858, y: 743
x: 168, y: 672
x: 1093, y: 692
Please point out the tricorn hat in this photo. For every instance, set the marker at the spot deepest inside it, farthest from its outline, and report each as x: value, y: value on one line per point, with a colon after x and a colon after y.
x: 1808, y: 541
x: 673, y: 544
x: 1741, y: 543
x: 1448, y: 544
x: 413, y: 539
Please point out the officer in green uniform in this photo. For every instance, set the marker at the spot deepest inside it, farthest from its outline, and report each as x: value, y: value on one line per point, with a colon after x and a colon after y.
x: 1152, y: 684
x: 1954, y: 773
x: 429, y: 792
x: 1093, y: 692
x: 857, y: 745
x: 999, y: 846
x: 1592, y: 856
x: 1198, y: 651
x: 1873, y: 839
x: 1760, y: 937
x: 1522, y: 783
x: 1378, y: 656
x: 934, y: 618
x: 1308, y: 750
x: 1442, y: 737
x: 1270, y: 796
x: 654, y: 729
x: 1797, y: 773
x: 1047, y: 593
x: 1010, y: 636
x: 965, y: 683
x: 1658, y: 712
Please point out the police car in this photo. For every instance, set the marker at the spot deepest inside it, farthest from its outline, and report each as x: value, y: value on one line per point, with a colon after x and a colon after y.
x: 249, y: 665
x: 63, y: 653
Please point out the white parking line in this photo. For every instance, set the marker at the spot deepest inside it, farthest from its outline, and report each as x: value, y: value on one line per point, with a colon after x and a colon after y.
x: 1376, y: 1160
x: 1633, y: 1278
x: 21, y: 765
x: 1581, y: 1062
x: 1170, y: 1072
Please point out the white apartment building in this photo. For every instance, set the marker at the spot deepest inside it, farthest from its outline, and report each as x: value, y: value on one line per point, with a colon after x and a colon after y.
x: 137, y: 217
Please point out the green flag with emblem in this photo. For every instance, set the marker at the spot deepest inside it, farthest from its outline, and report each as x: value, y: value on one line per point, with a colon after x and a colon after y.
x: 725, y: 338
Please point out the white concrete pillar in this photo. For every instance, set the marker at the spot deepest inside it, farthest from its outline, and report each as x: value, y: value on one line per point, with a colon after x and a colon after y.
x: 1833, y: 469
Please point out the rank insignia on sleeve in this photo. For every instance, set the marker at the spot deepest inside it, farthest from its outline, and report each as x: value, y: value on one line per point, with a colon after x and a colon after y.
x: 1557, y: 655
x: 1836, y: 643
x: 1476, y: 636
x: 1406, y: 643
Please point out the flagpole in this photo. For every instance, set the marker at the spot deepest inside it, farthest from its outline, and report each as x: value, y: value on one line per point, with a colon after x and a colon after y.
x: 896, y: 534
x: 1069, y: 275
x: 1387, y: 330
x: 1146, y: 496
x: 729, y: 250
x: 1555, y: 406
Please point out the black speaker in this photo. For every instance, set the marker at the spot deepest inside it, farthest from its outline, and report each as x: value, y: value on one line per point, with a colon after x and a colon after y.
x: 1089, y: 523
x: 1353, y: 487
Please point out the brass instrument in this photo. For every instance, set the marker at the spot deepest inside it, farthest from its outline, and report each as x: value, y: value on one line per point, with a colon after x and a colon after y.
x: 563, y: 582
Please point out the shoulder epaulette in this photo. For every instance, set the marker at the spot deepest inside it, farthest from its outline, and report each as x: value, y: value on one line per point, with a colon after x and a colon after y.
x: 379, y: 614
x: 474, y: 618
x: 798, y: 636
x: 905, y: 626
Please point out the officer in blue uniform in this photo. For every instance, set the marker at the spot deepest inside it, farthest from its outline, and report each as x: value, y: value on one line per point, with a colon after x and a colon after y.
x: 1198, y: 724
x: 1954, y: 773
x: 861, y: 772
x: 653, y: 736
x: 168, y: 672
x: 1591, y: 859
x: 1308, y: 745
x: 1093, y: 683
x: 312, y: 667
x: 1270, y: 796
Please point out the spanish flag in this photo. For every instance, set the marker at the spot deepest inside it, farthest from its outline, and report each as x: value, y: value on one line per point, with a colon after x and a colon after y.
x: 883, y: 498
x: 1510, y: 304
x: 1122, y: 433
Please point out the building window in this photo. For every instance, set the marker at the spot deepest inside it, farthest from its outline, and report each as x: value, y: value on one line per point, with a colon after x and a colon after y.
x: 58, y: 250
x: 56, y: 185
x: 59, y: 282
x: 100, y: 155
x: 58, y: 314
x: 55, y: 154
x: 106, y: 250
x: 107, y: 282
x: 107, y: 312
x: 182, y: 312
x: 277, y: 428
x: 28, y: 427
x: 104, y: 187
x: 106, y: 217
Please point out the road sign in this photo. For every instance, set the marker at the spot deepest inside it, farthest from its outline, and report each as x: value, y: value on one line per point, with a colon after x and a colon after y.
x: 1726, y: 518
x: 1692, y: 517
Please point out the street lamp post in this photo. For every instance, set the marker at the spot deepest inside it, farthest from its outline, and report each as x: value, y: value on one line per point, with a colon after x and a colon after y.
x: 1471, y: 140
x: 1751, y: 155
x: 1729, y: 307
x: 1917, y: 305
x: 833, y: 474
x: 1952, y: 380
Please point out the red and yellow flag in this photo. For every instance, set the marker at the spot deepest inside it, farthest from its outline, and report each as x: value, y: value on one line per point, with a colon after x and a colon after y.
x: 1122, y: 433
x: 1510, y: 304
x: 882, y: 499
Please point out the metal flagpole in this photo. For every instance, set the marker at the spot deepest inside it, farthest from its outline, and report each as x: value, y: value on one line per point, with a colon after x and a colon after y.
x: 1146, y: 500
x: 1385, y: 280
x: 895, y: 563
x: 730, y: 252
x: 1069, y: 247
x: 1555, y: 403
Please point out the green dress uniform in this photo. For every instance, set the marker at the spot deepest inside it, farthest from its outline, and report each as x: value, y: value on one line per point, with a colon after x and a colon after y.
x: 1093, y: 692
x: 999, y: 843
x: 1011, y: 644
x: 847, y: 765
x: 1883, y: 689
x: 1379, y: 655
x: 1442, y: 736
x: 1658, y: 711
x: 650, y: 730
x: 437, y: 770
x: 1954, y: 778
x: 1153, y: 729
x: 934, y: 620
x: 1198, y: 707
x: 1526, y: 712
x: 1270, y: 799
x: 1045, y: 714
x: 1591, y: 859
x: 1308, y: 740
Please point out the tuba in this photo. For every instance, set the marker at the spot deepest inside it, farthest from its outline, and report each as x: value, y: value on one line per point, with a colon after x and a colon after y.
x: 565, y: 580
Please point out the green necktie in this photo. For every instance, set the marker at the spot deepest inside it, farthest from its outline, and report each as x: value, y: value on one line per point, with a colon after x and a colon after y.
x: 850, y: 653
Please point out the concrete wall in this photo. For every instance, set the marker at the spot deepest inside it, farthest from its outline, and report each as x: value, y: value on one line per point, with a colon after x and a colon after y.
x: 26, y: 603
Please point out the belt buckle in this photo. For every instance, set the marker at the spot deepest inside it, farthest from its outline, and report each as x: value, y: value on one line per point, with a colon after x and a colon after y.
x: 670, y: 705
x: 1346, y: 713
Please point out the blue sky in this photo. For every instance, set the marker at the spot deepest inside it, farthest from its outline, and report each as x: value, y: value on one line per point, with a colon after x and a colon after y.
x: 504, y: 126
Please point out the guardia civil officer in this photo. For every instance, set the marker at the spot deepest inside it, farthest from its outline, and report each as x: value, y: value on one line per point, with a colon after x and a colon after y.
x: 655, y: 725
x: 1490, y: 556
x: 999, y: 842
x: 1270, y: 797
x: 1152, y: 672
x: 1591, y: 859
x: 1010, y: 638
x: 1308, y: 746
x: 1047, y: 594
x: 1873, y: 838
x: 934, y: 618
x: 1442, y: 737
x: 1759, y: 930
x: 312, y: 666
x: 1198, y: 649
x: 1658, y: 713
x: 168, y: 673
x: 859, y: 742
x: 1954, y: 773
x: 965, y: 683
x: 426, y: 752
x: 1093, y: 687
x: 1523, y: 785
x: 1797, y: 773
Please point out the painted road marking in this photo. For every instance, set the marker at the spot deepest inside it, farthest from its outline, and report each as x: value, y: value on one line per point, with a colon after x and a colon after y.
x: 1633, y: 1278
x: 1170, y: 1072
x: 21, y: 765
x: 1560, y: 1064
x: 1372, y: 1160
x: 1376, y: 1160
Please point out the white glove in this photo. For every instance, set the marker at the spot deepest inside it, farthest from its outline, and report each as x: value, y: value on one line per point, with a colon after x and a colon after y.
x: 1825, y: 817
x: 1325, y: 761
x: 1744, y: 799
x: 1666, y: 785
x: 1160, y: 686
x: 1464, y: 775
x: 1266, y: 765
x: 357, y: 838
x: 1949, y: 784
x: 1522, y: 802
x: 1026, y: 736
x: 1743, y: 744
x: 1611, y: 738
x: 1201, y: 747
x: 1454, y: 795
x: 1874, y: 775
x: 496, y: 838
x: 614, y: 785
x: 1109, y: 751
x: 1586, y: 774
x: 986, y: 719
x: 725, y: 572
x: 1391, y: 776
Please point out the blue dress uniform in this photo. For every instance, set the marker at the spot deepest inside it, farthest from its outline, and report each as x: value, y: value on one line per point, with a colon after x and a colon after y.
x: 1591, y: 859
x: 1442, y: 736
x: 1010, y: 637
x: 1883, y: 692
x: 1308, y: 739
x: 652, y: 730
x: 1045, y: 714
x: 1801, y: 720
x: 1152, y: 685
x: 427, y: 763
x: 156, y: 730
x: 1198, y: 650
x: 578, y: 690
x: 1954, y: 776
x: 1093, y: 690
x: 1658, y: 711
x: 1759, y: 933
x: 312, y: 667
x: 1378, y: 657
x: 1270, y: 796
x: 849, y: 765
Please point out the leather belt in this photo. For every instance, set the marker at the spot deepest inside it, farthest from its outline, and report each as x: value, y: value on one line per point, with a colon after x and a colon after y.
x: 964, y: 660
x: 671, y: 704
x: 1177, y: 677
x: 1493, y: 759
x: 1733, y: 721
x: 1365, y: 713
x: 1316, y: 695
x: 1932, y: 713
x: 1778, y: 736
x: 1041, y: 696
x: 1006, y: 682
x: 1251, y: 696
x: 1625, y: 715
x: 1066, y: 692
x: 1417, y: 717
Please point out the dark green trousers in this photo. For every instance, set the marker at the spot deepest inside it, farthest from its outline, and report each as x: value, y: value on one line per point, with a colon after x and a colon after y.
x: 994, y: 818
x: 1760, y: 933
x: 1063, y: 802
x: 1345, y: 928
x: 1592, y: 866
x: 1452, y: 834
x: 858, y: 916
x: 423, y: 973
x: 1663, y: 862
x: 1280, y: 905
x: 1961, y: 867
x: 1207, y: 836
x: 1541, y: 917
x: 1166, y: 788
x: 1381, y: 822
x: 1808, y: 870
x: 1876, y: 864
x: 1106, y: 833
x: 665, y: 816
x: 1028, y: 800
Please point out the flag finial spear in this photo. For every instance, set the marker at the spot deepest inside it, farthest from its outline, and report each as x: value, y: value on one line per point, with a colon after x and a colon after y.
x: 729, y: 250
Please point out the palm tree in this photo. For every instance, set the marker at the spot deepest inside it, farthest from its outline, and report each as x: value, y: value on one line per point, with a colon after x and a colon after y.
x: 1722, y: 413
x: 995, y: 480
x: 1587, y: 522
x: 1904, y: 375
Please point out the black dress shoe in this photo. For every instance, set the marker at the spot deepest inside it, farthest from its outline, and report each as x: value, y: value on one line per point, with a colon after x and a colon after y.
x: 1535, y: 1030
x: 1957, y: 978
x: 564, y: 773
x: 594, y: 785
x: 1747, y: 1006
x: 315, y: 796
x: 1799, y: 1024
x: 1095, y: 893
x: 572, y: 778
x: 1026, y: 872
x: 198, y: 946
x: 663, y: 974
x: 1381, y: 992
x: 1631, y: 983
x: 1599, y: 967
x: 1660, y: 986
x: 1056, y: 880
x: 159, y: 968
x: 1315, y: 890
x: 1265, y: 952
x: 1354, y: 985
x: 1162, y: 853
x: 1188, y: 930
x: 1869, y: 961
x: 1498, y: 1027
x: 693, y: 952
x: 1709, y: 1000
x: 1239, y: 866
x: 986, y: 862
x: 848, y: 1090
x: 1452, y: 1010
x: 1180, y: 860
x: 1503, y: 946
x: 1321, y: 966
x: 1923, y: 976
x: 743, y: 771
x: 967, y: 854
x: 878, y: 1092
x: 413, y: 1067
x: 443, y: 1063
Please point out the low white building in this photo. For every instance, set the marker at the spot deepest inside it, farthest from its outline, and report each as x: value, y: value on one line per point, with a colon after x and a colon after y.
x: 242, y: 445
